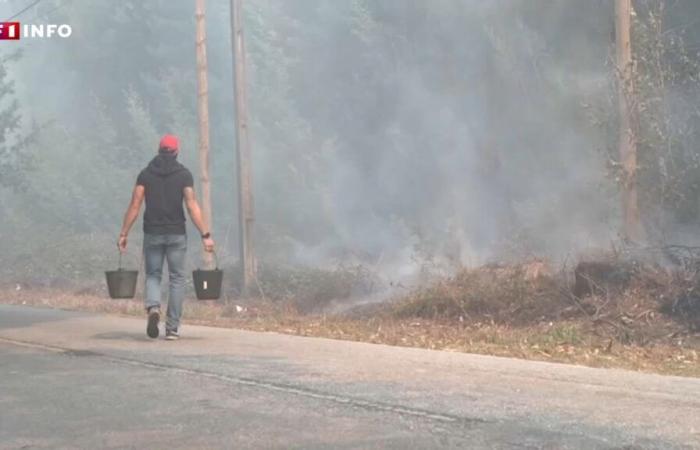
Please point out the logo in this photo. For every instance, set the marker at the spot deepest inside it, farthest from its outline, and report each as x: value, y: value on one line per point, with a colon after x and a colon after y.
x: 9, y: 31
x: 14, y: 31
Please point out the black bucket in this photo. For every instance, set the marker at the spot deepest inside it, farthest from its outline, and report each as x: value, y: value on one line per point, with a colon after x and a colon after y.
x: 207, y: 283
x: 122, y: 283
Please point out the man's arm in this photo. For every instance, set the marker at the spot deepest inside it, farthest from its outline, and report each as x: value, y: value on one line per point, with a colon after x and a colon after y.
x: 132, y: 213
x: 196, y: 216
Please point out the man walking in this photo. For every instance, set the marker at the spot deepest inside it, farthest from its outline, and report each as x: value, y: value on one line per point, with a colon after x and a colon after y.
x: 165, y: 184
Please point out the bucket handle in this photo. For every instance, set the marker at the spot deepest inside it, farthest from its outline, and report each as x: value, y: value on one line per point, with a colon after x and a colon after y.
x: 140, y: 262
x: 216, y: 259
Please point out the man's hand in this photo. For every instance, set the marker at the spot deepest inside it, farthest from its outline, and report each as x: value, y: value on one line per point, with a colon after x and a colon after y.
x: 208, y: 244
x: 121, y: 243
x: 132, y: 213
x: 196, y: 215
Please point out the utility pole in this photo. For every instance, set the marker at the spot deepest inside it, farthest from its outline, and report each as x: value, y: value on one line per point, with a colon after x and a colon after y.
x: 203, y: 114
x: 246, y: 218
x: 627, y: 142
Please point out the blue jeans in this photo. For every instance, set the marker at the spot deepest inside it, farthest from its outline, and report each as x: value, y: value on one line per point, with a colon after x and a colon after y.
x: 156, y: 248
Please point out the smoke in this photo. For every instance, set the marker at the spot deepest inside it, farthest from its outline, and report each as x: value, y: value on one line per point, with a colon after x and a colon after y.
x: 460, y: 137
x: 388, y: 133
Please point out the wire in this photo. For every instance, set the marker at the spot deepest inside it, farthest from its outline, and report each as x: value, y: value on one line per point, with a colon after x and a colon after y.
x: 36, y: 2
x: 45, y: 15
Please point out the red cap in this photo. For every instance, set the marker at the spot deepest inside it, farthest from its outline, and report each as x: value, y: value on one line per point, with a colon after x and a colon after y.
x: 170, y: 143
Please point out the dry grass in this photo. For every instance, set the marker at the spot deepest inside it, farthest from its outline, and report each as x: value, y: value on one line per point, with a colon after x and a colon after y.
x: 309, y: 289
x: 504, y: 294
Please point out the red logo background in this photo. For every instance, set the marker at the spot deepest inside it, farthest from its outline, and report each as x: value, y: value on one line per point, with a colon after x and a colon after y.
x: 9, y: 31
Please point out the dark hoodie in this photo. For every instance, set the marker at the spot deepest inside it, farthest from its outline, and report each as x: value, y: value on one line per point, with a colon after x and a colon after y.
x: 165, y: 180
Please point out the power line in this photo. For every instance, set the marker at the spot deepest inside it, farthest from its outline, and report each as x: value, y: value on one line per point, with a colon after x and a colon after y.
x: 36, y: 2
x: 38, y: 14
x: 44, y: 15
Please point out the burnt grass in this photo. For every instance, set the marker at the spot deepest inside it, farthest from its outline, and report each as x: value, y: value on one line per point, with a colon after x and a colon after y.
x: 625, y: 302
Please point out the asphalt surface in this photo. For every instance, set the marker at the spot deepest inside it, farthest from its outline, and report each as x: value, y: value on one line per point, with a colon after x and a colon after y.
x: 73, y: 380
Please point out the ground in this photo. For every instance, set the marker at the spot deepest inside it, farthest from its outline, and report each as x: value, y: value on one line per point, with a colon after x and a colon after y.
x: 661, y: 346
x: 77, y: 380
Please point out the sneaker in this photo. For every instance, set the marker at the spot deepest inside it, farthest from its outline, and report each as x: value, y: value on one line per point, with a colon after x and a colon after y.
x: 153, y: 319
x: 171, y: 335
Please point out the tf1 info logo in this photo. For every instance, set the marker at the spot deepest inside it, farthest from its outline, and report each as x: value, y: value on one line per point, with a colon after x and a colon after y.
x: 13, y: 31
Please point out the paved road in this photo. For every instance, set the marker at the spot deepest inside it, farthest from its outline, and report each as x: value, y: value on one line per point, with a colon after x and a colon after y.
x: 73, y: 380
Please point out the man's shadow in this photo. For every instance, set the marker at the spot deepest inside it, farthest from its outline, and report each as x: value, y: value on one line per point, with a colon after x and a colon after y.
x: 139, y: 337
